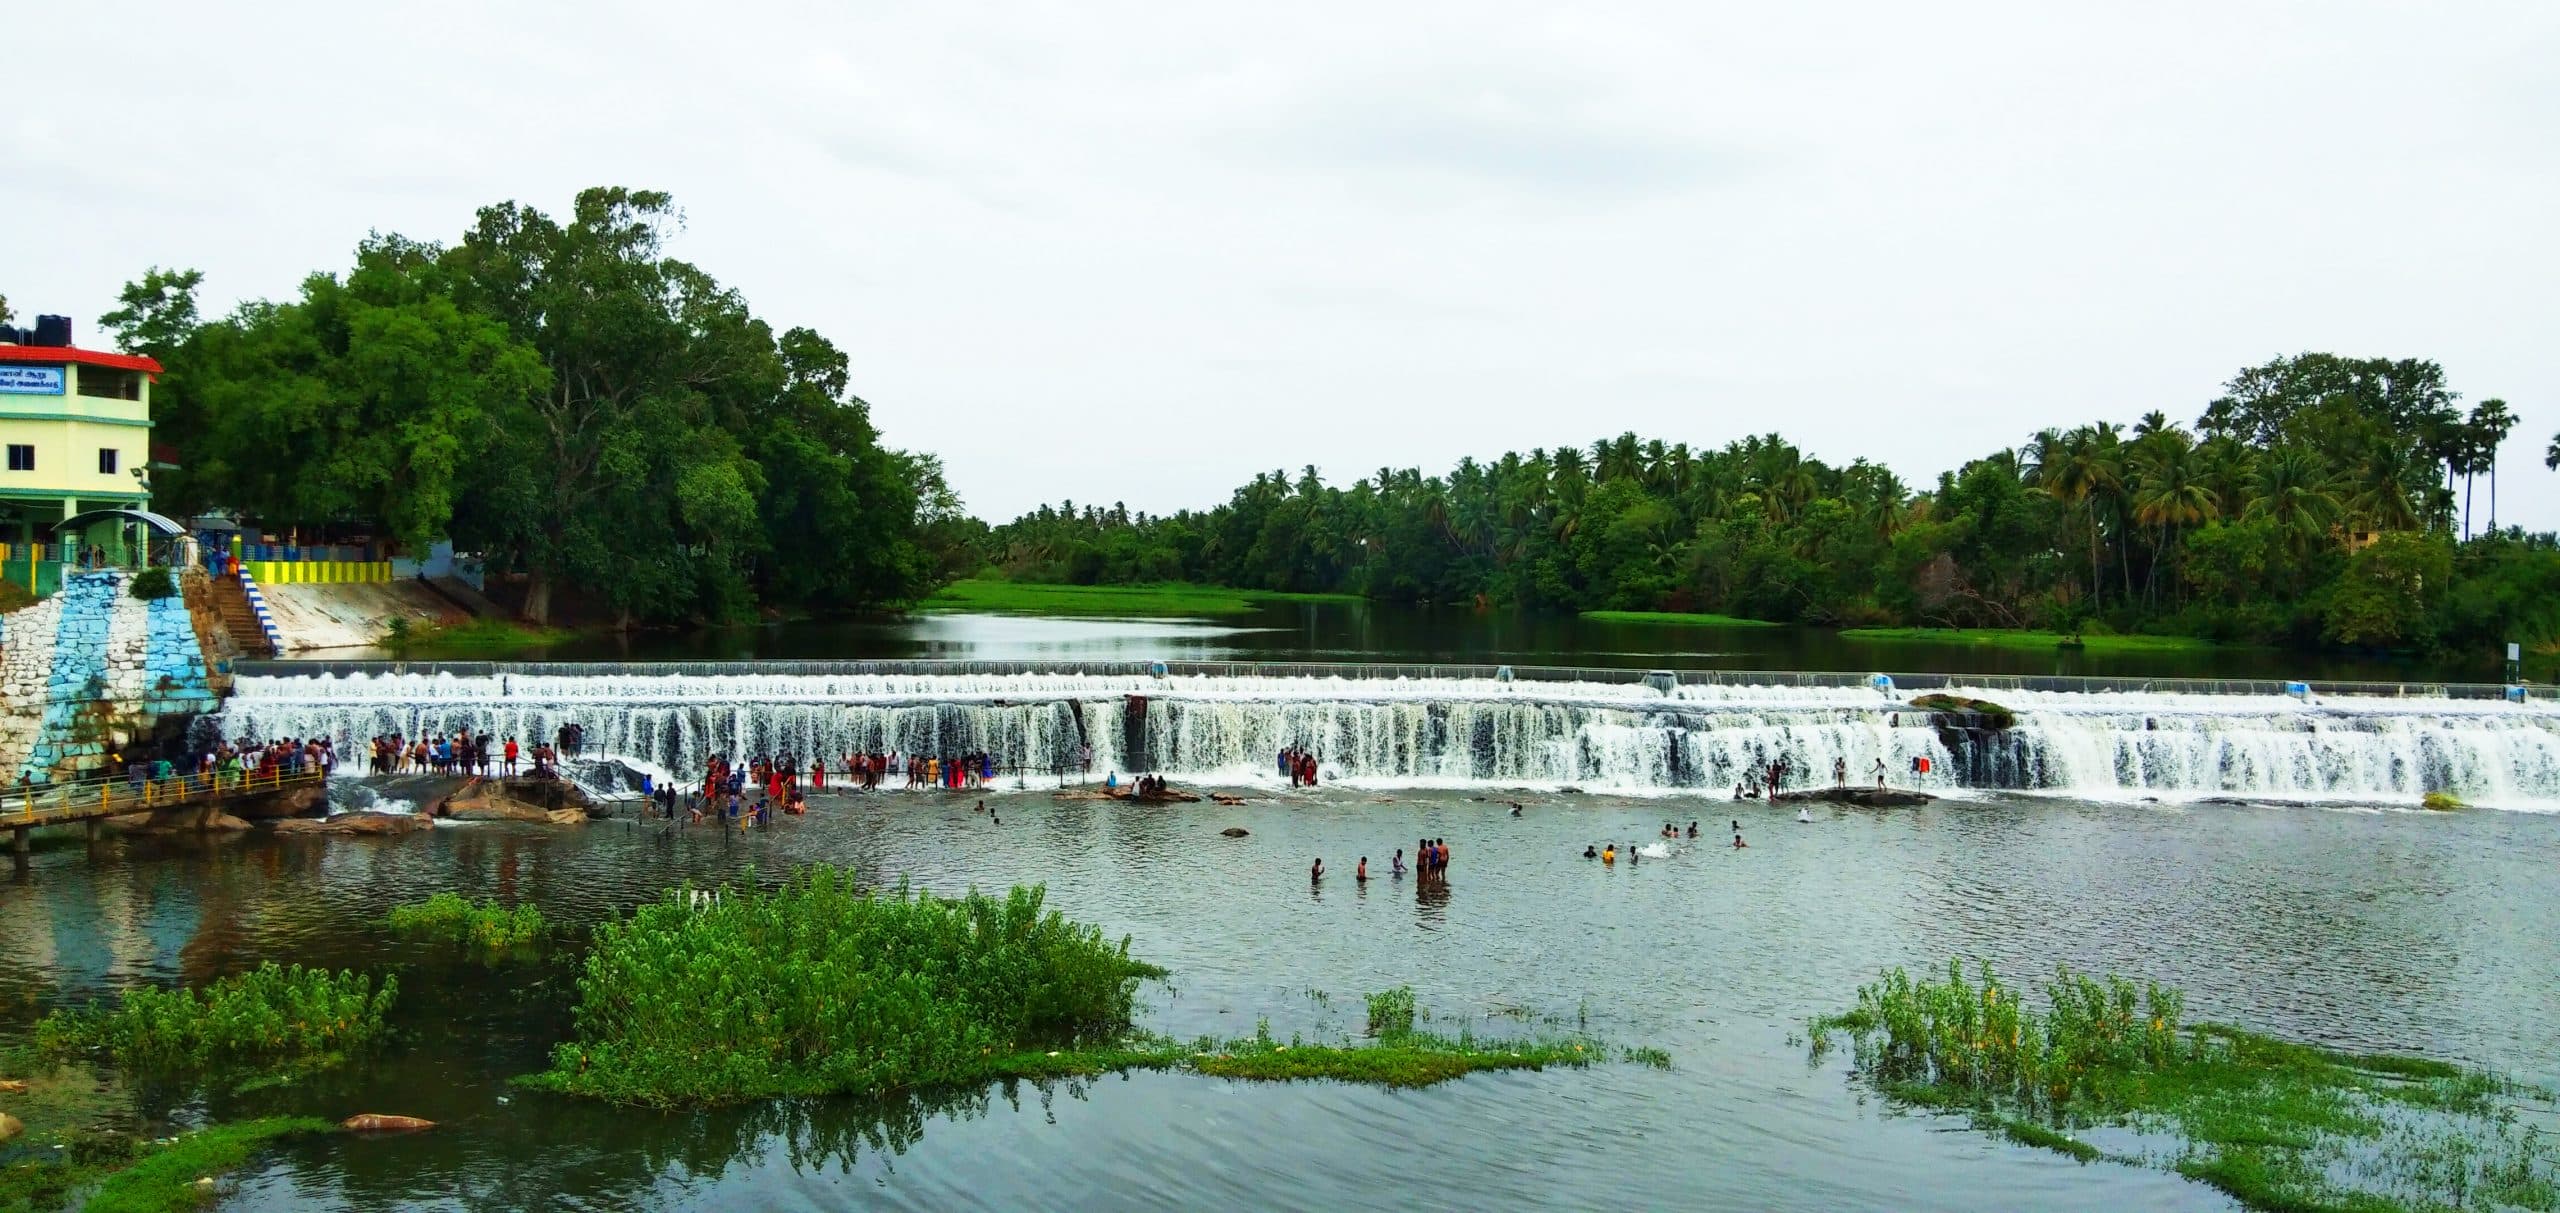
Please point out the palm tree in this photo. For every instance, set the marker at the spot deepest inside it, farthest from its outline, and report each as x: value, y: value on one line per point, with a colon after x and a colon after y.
x: 2491, y: 422
x: 2080, y: 470
x: 2294, y: 489
x: 2172, y: 492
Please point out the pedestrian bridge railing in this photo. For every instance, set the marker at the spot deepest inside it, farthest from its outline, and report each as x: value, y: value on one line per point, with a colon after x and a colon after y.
x: 77, y: 800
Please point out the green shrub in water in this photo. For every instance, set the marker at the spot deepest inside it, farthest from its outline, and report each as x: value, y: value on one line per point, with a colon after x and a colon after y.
x: 486, y: 925
x: 270, y: 1011
x: 1391, y: 1012
x: 819, y: 988
x: 2278, y: 1125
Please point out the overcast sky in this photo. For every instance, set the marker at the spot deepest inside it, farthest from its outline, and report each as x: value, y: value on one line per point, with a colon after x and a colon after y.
x: 1138, y: 252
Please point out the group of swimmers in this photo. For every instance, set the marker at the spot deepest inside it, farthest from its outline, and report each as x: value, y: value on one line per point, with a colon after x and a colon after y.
x: 1607, y: 852
x: 1430, y: 859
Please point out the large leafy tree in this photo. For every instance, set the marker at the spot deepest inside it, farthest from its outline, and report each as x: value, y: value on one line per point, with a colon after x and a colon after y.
x: 563, y: 397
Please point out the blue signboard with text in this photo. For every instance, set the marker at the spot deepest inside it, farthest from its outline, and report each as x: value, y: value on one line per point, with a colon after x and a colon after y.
x: 30, y: 381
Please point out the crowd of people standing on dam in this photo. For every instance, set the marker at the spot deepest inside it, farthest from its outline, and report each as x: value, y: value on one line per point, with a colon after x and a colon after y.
x: 484, y: 755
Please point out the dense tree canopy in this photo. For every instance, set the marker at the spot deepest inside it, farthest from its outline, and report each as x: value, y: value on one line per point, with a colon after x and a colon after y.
x: 2312, y: 504
x: 561, y: 396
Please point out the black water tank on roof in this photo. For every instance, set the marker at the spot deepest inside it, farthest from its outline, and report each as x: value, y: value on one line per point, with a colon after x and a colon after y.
x: 52, y: 330
x: 9, y: 336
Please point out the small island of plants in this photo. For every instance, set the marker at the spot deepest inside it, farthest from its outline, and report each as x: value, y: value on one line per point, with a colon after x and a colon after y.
x: 2276, y: 1124
x: 820, y: 988
x: 486, y: 926
x: 270, y: 1012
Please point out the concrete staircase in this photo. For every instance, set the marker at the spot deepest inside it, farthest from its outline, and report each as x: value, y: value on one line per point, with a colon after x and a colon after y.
x: 238, y: 621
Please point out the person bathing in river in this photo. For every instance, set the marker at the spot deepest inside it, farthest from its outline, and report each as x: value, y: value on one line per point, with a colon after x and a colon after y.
x: 1693, y: 829
x: 1360, y: 875
x: 1590, y: 852
x: 1840, y: 772
x: 1879, y: 772
x: 1398, y: 869
x: 1315, y: 875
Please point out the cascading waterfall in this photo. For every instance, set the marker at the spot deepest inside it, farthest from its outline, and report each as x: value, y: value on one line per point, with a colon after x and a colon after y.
x: 1461, y: 732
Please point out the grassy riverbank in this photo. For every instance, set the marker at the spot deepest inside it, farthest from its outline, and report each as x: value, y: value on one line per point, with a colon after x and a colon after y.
x: 477, y: 640
x: 1678, y: 619
x: 989, y: 595
x: 124, y: 1174
x: 2028, y: 638
x: 2276, y: 1124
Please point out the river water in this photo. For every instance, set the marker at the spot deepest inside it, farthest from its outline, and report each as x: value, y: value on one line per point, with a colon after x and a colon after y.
x: 1377, y: 631
x: 2382, y: 929
x: 2264, y: 852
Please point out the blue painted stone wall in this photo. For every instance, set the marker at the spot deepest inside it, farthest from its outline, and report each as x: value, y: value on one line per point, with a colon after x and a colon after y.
x: 141, y: 660
x: 79, y: 668
x: 172, y: 662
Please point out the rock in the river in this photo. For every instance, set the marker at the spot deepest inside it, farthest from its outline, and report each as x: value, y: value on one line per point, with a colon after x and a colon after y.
x: 225, y: 821
x: 517, y: 800
x: 355, y: 823
x: 375, y: 1122
x: 300, y: 800
x: 1863, y: 797
x: 1235, y: 831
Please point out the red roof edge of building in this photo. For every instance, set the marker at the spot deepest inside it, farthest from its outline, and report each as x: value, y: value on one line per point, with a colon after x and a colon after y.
x: 63, y: 353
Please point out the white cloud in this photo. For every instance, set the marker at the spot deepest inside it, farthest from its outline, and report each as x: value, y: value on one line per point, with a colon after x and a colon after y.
x: 1138, y: 253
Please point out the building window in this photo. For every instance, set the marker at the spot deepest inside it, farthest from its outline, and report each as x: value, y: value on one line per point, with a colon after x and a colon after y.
x: 22, y: 458
x: 110, y: 384
x: 106, y: 461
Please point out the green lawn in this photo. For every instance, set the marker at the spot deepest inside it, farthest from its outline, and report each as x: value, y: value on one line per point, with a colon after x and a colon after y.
x: 2024, y: 638
x: 474, y: 640
x: 1163, y: 598
x: 1679, y: 618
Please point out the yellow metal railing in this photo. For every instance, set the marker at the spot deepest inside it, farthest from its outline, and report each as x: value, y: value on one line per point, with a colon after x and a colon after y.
x: 39, y: 804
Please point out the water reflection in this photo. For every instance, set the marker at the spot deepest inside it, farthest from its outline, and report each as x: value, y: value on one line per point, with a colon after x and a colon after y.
x: 1369, y: 632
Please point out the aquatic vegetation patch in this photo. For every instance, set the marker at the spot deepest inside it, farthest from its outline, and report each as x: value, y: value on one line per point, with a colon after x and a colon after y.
x: 2276, y: 1124
x: 2442, y: 802
x: 487, y: 926
x: 817, y: 987
x: 1391, y: 1012
x: 1394, y: 1057
x: 270, y: 1011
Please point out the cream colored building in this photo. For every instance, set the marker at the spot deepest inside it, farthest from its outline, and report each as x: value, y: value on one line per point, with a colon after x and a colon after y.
x: 75, y: 434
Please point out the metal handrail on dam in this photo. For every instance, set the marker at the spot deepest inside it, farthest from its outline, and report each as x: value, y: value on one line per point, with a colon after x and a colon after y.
x: 1904, y: 681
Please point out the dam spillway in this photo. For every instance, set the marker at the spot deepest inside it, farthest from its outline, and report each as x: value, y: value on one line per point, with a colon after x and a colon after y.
x: 1596, y: 730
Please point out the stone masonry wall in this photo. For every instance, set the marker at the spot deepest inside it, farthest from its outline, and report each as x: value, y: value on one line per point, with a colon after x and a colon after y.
x: 86, y: 671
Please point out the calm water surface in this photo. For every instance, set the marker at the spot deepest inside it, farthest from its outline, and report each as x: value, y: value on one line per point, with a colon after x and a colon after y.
x: 1331, y: 631
x: 2431, y: 933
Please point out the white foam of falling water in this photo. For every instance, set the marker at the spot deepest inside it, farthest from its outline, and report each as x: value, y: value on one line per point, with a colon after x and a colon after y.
x: 1389, y: 732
